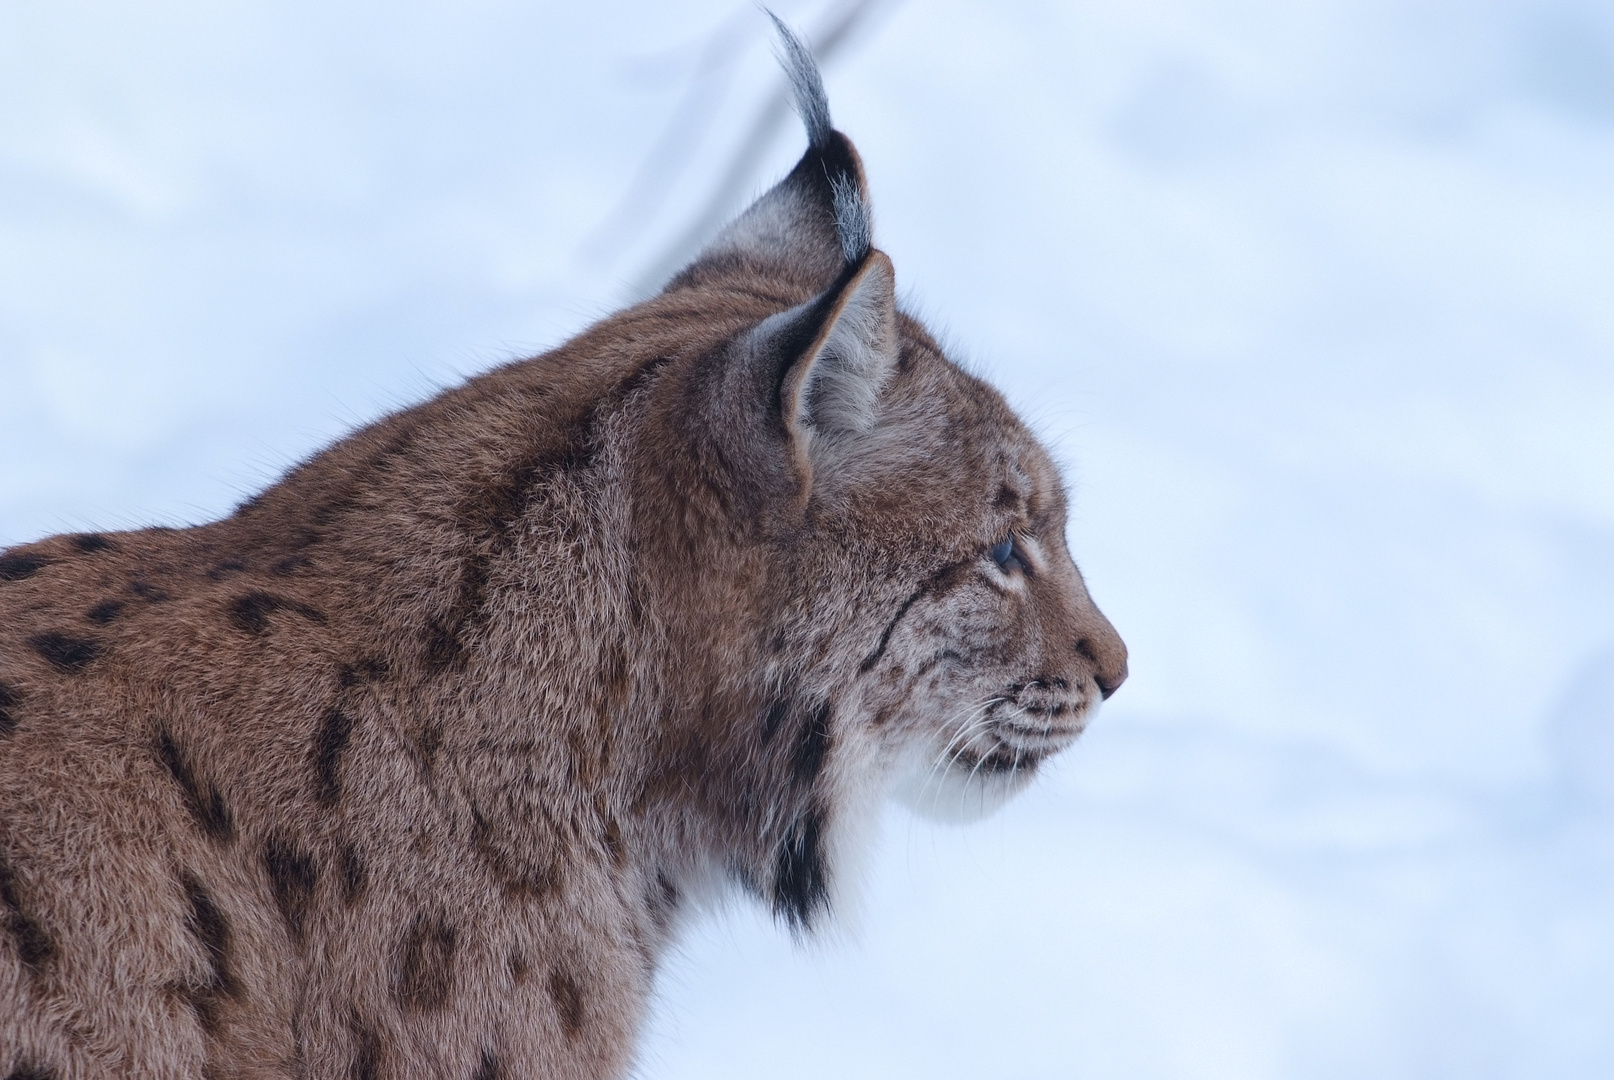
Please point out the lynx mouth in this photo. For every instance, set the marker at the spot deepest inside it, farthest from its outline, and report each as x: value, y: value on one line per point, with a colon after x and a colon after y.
x: 999, y: 760
x: 1038, y: 728
x: 1025, y: 735
x: 1016, y: 747
x: 1020, y: 744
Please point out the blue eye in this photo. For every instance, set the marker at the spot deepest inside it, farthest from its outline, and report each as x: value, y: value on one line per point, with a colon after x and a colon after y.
x: 1007, y: 556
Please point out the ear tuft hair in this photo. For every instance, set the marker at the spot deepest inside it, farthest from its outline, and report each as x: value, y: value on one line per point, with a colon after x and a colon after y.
x: 853, y: 224
x: 813, y: 225
x: 812, y: 104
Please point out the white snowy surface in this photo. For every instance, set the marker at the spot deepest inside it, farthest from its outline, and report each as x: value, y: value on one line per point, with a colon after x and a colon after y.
x: 1315, y: 300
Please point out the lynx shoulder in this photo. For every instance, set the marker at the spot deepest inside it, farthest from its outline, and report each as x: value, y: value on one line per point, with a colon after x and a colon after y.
x: 413, y: 765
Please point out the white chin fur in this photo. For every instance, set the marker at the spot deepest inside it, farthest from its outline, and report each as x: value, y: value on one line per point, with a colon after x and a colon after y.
x: 955, y: 794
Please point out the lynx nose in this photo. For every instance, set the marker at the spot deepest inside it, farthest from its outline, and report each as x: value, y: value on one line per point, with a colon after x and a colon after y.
x: 1102, y: 647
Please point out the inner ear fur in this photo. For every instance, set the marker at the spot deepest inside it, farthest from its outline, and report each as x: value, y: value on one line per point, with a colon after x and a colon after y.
x: 801, y: 392
x: 831, y: 389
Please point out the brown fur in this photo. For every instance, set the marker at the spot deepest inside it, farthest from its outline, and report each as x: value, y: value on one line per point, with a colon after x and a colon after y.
x: 411, y: 765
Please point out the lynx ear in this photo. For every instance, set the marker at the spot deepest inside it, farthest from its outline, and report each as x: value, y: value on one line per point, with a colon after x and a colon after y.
x: 832, y: 358
x: 814, y: 223
x: 817, y: 370
x: 800, y: 392
x: 833, y: 388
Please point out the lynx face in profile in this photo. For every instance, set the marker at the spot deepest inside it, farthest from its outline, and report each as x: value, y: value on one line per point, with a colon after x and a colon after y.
x: 411, y: 766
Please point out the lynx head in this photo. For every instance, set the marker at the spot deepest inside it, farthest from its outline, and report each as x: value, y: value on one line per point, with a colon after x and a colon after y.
x: 869, y: 545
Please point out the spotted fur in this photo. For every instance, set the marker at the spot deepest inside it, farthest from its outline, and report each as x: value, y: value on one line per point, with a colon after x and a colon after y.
x: 415, y: 763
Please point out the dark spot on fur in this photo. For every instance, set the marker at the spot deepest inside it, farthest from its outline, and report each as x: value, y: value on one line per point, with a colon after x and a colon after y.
x: 148, y: 592
x: 666, y: 892
x: 491, y: 512
x: 8, y: 701
x: 354, y: 877
x: 577, y: 453
x: 203, y: 801
x: 250, y: 611
x: 800, y: 881
x: 742, y: 876
x: 612, y: 837
x: 442, y: 644
x: 905, y: 357
x: 366, y: 1052
x: 290, y: 565
x: 567, y: 995
x: 426, y: 965
x: 18, y: 567
x: 1007, y: 498
x: 223, y: 569
x: 775, y: 717
x: 517, y: 880
x: 207, y: 924
x: 31, y: 1071
x: 447, y: 644
x: 368, y: 669
x: 516, y: 962
x: 329, y: 743
x: 66, y: 654
x: 427, y: 742
x: 813, y: 747
x: 616, y: 679
x: 90, y: 543
x: 488, y: 1068
x: 105, y: 611
x: 34, y: 946
x: 663, y: 901
x: 292, y: 877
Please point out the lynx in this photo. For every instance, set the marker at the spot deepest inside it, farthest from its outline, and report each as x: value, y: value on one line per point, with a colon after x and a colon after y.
x: 414, y: 765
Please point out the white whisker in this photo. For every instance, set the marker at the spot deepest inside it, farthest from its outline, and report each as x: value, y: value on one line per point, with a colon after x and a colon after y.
x: 973, y: 721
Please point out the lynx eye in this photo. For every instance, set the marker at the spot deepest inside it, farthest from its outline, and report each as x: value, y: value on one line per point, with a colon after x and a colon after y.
x: 1007, y: 556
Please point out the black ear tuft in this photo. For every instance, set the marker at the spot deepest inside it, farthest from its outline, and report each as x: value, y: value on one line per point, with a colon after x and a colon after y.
x: 814, y: 225
x: 812, y: 104
x: 852, y: 220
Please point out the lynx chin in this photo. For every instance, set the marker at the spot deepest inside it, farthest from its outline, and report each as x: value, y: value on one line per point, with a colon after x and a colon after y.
x: 413, y: 765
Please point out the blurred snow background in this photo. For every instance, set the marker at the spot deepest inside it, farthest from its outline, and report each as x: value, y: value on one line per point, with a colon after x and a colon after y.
x: 1316, y: 300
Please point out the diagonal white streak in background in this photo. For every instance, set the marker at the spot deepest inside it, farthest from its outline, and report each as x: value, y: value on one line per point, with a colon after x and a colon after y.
x: 1313, y: 299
